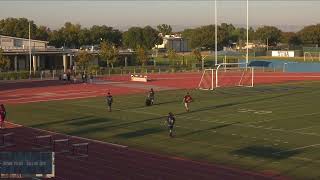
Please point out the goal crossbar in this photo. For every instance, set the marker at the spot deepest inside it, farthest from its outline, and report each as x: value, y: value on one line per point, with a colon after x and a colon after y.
x: 224, y: 74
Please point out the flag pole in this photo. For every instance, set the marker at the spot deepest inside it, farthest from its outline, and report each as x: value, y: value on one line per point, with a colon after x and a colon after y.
x: 247, y: 56
x: 30, y: 61
x: 216, y: 32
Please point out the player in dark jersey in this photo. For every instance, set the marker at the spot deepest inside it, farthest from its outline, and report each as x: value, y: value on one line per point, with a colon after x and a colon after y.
x: 2, y: 115
x: 109, y: 100
x: 151, y: 96
x: 187, y: 100
x: 170, y: 122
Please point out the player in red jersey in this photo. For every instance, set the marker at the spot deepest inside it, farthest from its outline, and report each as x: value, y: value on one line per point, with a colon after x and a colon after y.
x: 2, y: 115
x: 187, y: 100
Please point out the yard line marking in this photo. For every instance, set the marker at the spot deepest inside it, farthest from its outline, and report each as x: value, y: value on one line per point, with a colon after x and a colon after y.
x: 74, y: 137
x: 304, y: 128
x: 289, y: 150
x: 56, y: 99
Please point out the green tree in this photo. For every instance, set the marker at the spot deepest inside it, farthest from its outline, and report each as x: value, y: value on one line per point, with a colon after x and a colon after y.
x: 85, y: 37
x: 197, y: 55
x: 4, y: 62
x: 295, y: 41
x: 133, y: 38
x: 83, y: 59
x: 70, y: 34
x: 270, y: 33
x: 310, y: 34
x: 56, y: 38
x: 164, y: 29
x: 205, y: 36
x: 146, y: 37
x: 172, y: 54
x: 42, y: 33
x: 150, y: 37
x: 109, y: 52
x: 105, y: 33
x: 142, y: 56
x: 291, y: 38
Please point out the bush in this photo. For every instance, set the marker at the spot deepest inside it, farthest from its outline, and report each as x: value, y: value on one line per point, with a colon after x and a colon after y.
x: 14, y: 75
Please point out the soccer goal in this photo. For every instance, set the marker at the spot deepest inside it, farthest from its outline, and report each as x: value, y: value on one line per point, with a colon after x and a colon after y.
x: 313, y: 56
x: 227, y: 75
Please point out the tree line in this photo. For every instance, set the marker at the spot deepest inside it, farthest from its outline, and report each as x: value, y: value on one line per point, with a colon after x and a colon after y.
x: 74, y: 35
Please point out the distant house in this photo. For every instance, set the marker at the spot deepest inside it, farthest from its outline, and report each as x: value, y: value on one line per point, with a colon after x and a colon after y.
x: 8, y: 42
x: 176, y: 42
x: 251, y: 46
x: 42, y: 56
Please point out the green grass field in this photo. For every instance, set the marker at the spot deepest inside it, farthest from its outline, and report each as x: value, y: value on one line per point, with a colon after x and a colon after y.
x: 272, y: 128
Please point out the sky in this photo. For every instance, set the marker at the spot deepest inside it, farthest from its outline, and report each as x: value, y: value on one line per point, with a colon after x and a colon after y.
x: 123, y: 14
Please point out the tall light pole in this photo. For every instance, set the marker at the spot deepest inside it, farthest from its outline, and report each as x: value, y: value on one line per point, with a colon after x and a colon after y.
x: 30, y: 61
x: 215, y: 33
x: 267, y: 45
x: 247, y: 56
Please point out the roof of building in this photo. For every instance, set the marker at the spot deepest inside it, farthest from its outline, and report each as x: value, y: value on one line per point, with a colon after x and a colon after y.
x: 24, y: 39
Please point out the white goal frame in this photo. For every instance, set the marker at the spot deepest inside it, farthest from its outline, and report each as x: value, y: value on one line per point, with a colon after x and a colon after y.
x: 212, y: 71
x: 311, y: 54
x: 215, y: 74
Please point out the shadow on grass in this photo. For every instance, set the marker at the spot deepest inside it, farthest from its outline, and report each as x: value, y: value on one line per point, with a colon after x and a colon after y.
x: 168, y: 102
x: 209, y: 129
x: 266, y: 152
x: 238, y: 103
x: 101, y: 128
x: 89, y: 121
x: 139, y: 133
x: 61, y: 121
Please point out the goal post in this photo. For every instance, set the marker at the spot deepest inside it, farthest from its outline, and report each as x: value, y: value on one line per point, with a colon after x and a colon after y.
x: 207, y: 81
x: 313, y: 56
x: 227, y: 75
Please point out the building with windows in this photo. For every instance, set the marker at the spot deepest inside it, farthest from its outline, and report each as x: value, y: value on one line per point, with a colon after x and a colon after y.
x: 175, y: 42
x: 8, y: 42
x: 40, y: 56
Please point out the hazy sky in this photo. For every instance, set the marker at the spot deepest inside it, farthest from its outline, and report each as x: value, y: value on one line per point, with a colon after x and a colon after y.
x: 139, y: 13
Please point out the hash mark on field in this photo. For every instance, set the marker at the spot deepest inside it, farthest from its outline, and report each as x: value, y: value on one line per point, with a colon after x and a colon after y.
x: 289, y: 150
x: 304, y: 128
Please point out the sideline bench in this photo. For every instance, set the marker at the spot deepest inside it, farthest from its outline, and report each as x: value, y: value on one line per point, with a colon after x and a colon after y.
x: 78, y: 146
x: 7, y: 139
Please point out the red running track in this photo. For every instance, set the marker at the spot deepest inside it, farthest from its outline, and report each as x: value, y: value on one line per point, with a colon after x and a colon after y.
x: 191, y: 80
x: 37, y: 91
x: 107, y: 161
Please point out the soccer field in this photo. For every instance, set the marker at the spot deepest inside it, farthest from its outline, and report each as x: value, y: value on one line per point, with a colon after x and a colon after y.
x: 268, y: 128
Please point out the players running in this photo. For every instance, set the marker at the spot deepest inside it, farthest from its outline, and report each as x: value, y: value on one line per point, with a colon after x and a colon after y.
x: 109, y: 100
x: 2, y: 116
x: 170, y: 122
x: 187, y: 100
x: 151, y: 96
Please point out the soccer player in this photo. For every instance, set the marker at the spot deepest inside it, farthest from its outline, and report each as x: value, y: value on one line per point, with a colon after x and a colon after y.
x: 187, y: 100
x: 170, y: 121
x: 151, y: 96
x: 109, y: 100
x: 2, y: 116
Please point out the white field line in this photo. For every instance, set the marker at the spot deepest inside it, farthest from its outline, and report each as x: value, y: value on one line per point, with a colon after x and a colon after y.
x: 185, y: 117
x: 9, y: 93
x: 217, y: 122
x: 298, y: 148
x: 299, y: 129
x: 74, y: 137
x: 218, y: 146
x: 52, y: 95
x: 53, y: 99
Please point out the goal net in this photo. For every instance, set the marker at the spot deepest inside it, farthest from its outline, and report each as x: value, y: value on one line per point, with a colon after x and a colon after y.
x: 311, y: 56
x: 227, y: 75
